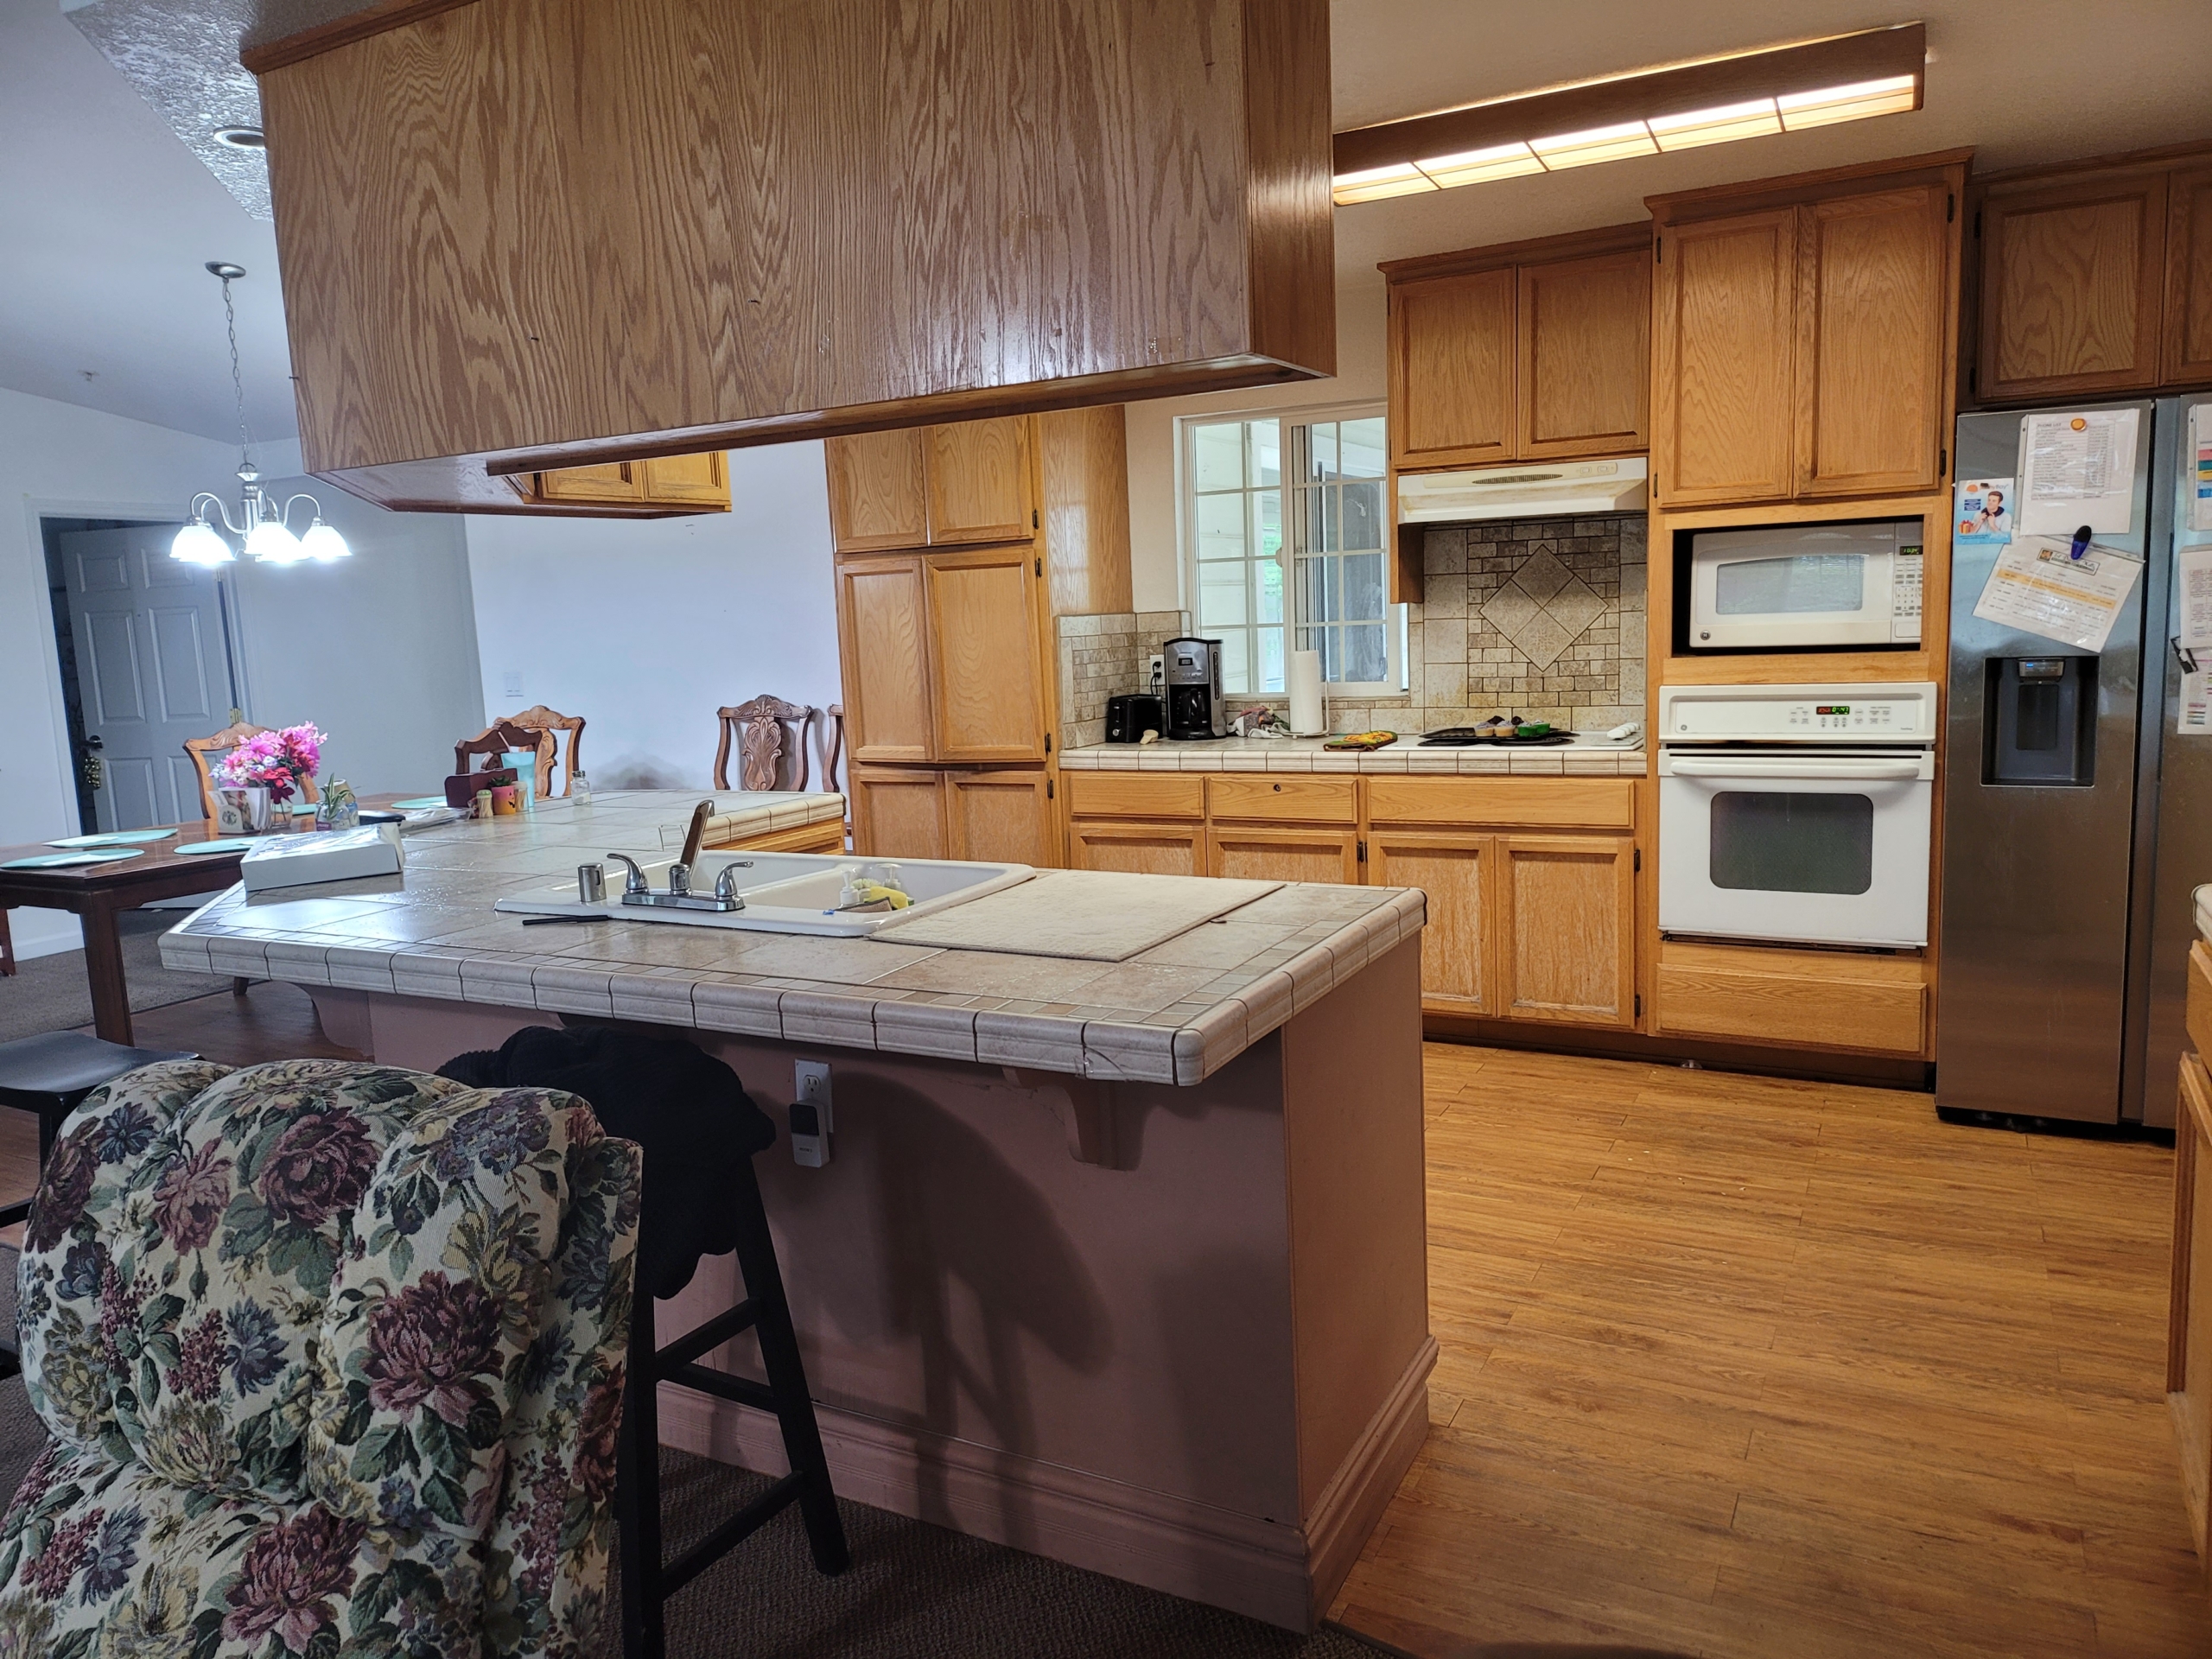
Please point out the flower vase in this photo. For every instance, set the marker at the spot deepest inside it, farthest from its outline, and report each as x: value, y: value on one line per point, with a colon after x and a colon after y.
x: 242, y: 810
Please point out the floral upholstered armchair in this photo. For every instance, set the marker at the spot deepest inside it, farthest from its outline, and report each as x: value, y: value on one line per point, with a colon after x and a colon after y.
x: 332, y: 1357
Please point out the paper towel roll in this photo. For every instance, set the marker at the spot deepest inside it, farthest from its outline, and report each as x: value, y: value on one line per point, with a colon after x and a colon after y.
x: 1305, y: 718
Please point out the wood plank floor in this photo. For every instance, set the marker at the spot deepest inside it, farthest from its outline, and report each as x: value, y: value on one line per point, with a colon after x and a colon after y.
x: 1745, y: 1367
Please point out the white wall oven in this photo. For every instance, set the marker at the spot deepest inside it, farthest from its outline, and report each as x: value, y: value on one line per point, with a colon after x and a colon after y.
x: 1792, y: 586
x: 1797, y: 814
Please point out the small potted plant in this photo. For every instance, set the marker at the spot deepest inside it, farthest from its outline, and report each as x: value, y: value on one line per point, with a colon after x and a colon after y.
x: 261, y: 774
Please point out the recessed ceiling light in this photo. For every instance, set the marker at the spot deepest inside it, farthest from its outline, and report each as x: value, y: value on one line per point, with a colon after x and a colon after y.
x: 241, y: 137
x: 1810, y: 84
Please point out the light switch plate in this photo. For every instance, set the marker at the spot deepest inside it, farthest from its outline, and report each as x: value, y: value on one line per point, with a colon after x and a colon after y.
x: 510, y: 683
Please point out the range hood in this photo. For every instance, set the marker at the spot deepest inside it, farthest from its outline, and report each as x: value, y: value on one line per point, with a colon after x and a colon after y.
x: 1562, y: 489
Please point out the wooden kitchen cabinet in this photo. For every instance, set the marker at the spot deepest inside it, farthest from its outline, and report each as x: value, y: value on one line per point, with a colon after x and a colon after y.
x: 899, y: 813
x: 667, y: 484
x: 2095, y: 278
x: 1284, y: 852
x: 1804, y: 331
x: 986, y: 659
x: 1002, y: 816
x: 889, y: 715
x: 1454, y: 868
x: 1526, y: 350
x: 877, y: 493
x: 1137, y: 847
x: 1565, y: 910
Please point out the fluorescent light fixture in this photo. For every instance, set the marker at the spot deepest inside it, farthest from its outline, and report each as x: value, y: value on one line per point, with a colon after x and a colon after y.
x: 1724, y: 125
x: 1374, y: 183
x: 1612, y: 143
x: 1480, y: 166
x: 1891, y: 96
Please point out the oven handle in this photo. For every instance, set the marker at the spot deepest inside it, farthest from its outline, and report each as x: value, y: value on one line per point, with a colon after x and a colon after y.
x: 1795, y: 767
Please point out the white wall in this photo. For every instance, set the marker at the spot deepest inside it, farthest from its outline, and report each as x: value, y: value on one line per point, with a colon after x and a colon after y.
x: 378, y: 650
x: 383, y: 644
x: 645, y: 627
x: 1156, y: 571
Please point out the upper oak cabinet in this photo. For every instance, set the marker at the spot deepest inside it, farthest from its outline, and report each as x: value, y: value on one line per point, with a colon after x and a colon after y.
x: 1803, y: 334
x: 2095, y: 278
x: 956, y: 485
x: 1524, y: 352
x: 661, y: 488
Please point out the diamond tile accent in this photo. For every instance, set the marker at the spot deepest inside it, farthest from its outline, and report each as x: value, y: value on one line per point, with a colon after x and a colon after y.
x: 1543, y: 575
x: 1543, y: 607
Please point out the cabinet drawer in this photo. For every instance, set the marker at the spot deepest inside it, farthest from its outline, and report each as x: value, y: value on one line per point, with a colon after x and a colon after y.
x: 1809, y: 998
x: 1265, y: 799
x: 1128, y: 795
x: 1537, y: 803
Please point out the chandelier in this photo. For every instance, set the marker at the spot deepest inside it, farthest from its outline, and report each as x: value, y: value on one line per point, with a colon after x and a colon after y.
x: 263, y: 527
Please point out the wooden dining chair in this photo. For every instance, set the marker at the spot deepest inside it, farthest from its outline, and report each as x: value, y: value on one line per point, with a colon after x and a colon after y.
x: 541, y: 718
x: 498, y: 739
x: 206, y: 753
x: 7, y: 949
x: 757, y: 728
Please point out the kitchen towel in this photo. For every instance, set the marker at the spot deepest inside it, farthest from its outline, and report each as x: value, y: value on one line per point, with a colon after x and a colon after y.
x: 1305, y: 718
x: 1087, y: 915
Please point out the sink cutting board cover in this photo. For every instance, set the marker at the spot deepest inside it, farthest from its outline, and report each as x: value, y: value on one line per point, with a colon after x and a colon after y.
x: 1087, y: 915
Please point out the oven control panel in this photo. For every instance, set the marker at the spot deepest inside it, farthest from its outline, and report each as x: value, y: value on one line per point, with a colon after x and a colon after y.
x: 1803, y: 713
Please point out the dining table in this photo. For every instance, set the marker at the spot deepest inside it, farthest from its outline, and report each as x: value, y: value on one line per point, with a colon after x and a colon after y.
x: 98, y: 893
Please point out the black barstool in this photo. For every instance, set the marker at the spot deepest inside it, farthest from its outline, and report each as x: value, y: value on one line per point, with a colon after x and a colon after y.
x: 51, y: 1074
x: 700, y: 1131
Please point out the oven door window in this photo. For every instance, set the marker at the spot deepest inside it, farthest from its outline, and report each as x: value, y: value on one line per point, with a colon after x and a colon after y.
x: 1803, y: 584
x: 1763, y: 840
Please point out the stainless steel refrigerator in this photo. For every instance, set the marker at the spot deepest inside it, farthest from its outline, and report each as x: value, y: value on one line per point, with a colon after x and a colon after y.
x: 2075, y: 821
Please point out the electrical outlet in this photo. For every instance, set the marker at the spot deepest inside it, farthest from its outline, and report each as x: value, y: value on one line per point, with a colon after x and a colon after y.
x: 812, y: 1120
x: 1155, y: 670
x: 510, y: 683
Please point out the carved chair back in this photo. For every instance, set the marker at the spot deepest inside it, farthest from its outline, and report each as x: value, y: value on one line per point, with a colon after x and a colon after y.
x: 541, y: 718
x: 499, y: 737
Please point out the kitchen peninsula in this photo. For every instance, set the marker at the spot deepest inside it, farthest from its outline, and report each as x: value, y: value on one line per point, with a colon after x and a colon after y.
x: 1119, y: 1261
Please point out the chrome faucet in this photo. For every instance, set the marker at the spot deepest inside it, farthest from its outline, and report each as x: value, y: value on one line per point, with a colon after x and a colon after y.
x: 636, y: 890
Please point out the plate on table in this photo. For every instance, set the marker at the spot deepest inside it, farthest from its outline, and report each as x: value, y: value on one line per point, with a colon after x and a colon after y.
x: 419, y: 804
x: 238, y: 845
x: 63, y: 861
x: 113, y: 838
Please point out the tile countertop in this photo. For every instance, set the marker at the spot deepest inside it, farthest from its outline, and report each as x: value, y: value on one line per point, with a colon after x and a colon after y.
x: 1174, y: 1014
x: 1587, y: 756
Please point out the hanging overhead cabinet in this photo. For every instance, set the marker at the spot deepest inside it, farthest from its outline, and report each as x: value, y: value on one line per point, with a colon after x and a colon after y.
x: 520, y: 236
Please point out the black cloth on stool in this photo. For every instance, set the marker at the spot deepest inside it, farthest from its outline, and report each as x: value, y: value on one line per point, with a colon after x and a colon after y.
x: 688, y: 1111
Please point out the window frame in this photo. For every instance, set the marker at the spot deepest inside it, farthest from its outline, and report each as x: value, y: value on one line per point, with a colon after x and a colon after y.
x: 1396, y: 666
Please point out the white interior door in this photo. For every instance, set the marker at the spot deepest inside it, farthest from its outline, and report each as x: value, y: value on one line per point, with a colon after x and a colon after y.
x: 151, y: 668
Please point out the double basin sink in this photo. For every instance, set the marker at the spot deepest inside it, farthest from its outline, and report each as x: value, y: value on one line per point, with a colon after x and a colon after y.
x: 783, y: 893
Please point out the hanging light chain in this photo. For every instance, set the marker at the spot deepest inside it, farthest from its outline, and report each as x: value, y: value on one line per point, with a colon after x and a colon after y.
x: 237, y: 380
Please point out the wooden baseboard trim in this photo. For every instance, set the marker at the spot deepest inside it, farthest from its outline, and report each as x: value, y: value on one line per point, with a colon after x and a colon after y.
x: 1352, y: 1504
x: 1247, y: 1565
x: 1813, y: 1065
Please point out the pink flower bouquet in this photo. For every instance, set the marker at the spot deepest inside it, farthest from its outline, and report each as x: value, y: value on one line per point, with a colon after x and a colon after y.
x: 276, y: 761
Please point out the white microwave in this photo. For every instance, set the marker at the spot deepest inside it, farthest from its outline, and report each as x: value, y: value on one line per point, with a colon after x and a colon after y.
x: 1784, y: 586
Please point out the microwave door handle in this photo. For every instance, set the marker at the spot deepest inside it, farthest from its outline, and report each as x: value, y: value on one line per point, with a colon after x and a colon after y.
x: 1838, y: 769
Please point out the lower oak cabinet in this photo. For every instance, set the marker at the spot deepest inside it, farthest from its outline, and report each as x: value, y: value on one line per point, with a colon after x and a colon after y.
x: 997, y: 816
x: 1531, y: 883
x: 1810, y: 999
x: 2189, y: 1332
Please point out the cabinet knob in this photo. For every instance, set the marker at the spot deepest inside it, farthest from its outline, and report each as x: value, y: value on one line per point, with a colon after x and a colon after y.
x: 1278, y: 788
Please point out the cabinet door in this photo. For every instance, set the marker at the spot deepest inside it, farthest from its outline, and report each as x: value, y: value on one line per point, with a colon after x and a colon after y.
x: 1001, y: 818
x: 880, y: 632
x: 1452, y: 366
x: 608, y: 482
x: 876, y: 490
x: 700, y: 479
x: 899, y: 814
x: 1584, y: 338
x: 988, y: 691
x: 1724, y: 378
x: 1284, y: 854
x: 978, y: 473
x: 1454, y: 868
x: 2073, y: 276
x: 1138, y: 849
x: 1566, y: 929
x: 1873, y: 300
x: 2187, y: 360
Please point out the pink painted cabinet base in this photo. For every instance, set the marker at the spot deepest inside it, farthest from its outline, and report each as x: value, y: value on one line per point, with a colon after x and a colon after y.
x: 1204, y: 1369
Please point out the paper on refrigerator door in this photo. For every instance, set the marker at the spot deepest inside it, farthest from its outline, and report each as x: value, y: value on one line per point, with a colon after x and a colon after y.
x: 2036, y: 587
x: 2198, y: 482
x: 2196, y: 717
x: 2193, y: 597
x: 2075, y: 469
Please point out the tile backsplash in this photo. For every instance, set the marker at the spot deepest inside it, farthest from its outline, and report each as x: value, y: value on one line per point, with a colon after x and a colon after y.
x: 1543, y: 619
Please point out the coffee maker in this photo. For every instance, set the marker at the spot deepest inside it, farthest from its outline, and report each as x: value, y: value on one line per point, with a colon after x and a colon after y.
x: 1194, y: 705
